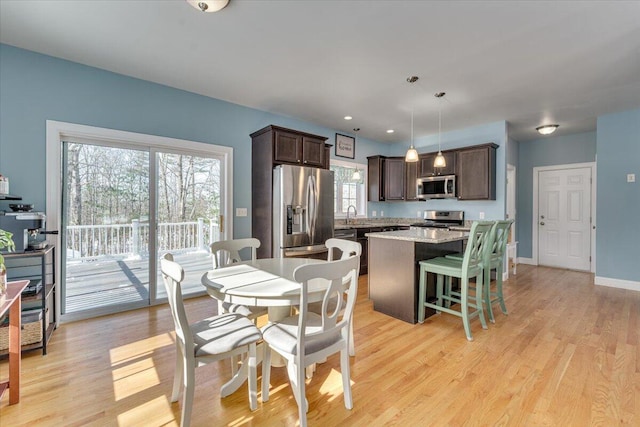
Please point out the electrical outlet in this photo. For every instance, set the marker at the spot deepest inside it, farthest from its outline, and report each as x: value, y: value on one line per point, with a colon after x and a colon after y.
x: 631, y: 177
x: 241, y: 211
x: 481, y: 215
x: 374, y: 213
x: 381, y: 213
x: 418, y: 214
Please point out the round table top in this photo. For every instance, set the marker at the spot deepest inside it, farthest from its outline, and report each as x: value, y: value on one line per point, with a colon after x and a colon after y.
x: 263, y: 282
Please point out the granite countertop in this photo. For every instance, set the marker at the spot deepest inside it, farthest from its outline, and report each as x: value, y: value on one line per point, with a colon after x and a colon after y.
x: 369, y: 225
x: 423, y: 235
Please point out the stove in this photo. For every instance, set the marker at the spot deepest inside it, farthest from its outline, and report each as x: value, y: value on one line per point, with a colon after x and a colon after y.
x: 441, y: 219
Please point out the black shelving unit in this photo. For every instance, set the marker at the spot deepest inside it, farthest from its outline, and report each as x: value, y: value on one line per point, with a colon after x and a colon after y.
x: 9, y: 197
x: 38, y: 266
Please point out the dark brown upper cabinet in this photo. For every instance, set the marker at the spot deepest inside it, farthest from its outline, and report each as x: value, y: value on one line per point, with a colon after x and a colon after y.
x: 293, y: 147
x: 375, y: 178
x: 476, y: 172
x: 394, y: 181
x: 410, y: 190
x: 426, y: 168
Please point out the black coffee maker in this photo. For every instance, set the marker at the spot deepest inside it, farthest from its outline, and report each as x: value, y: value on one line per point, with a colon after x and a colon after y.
x: 26, y: 228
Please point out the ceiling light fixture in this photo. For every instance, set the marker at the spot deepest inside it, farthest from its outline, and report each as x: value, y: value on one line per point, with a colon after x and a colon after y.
x: 547, y: 129
x: 412, y: 154
x: 390, y: 131
x: 348, y: 117
x: 439, y: 161
x: 208, y: 5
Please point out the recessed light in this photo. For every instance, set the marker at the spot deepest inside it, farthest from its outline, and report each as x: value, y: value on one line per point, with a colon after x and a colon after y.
x: 348, y: 117
x: 390, y: 131
x: 547, y: 129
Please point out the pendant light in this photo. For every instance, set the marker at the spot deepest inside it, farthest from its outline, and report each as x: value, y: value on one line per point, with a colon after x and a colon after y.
x: 439, y: 161
x: 356, y: 173
x: 412, y: 154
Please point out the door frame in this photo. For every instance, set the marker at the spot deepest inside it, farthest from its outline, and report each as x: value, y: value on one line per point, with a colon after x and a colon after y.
x: 57, y: 131
x: 534, y: 215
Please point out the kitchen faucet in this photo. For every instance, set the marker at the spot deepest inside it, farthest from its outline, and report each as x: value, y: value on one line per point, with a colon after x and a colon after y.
x: 355, y: 212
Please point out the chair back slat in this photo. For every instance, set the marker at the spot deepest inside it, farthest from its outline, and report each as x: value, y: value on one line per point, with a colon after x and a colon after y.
x: 479, y: 238
x: 502, y: 234
x: 227, y: 252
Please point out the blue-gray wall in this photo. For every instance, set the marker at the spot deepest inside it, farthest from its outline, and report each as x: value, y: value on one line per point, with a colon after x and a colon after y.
x: 559, y: 150
x: 618, y: 203
x: 35, y: 88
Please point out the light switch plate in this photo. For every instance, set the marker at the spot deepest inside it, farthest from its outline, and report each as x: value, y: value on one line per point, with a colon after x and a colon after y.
x: 241, y: 211
x: 631, y: 177
x: 481, y: 215
x: 374, y: 213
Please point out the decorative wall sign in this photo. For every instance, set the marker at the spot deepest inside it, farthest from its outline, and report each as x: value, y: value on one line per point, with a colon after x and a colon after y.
x: 345, y: 146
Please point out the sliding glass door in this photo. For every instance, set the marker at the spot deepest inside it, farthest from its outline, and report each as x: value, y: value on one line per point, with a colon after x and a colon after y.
x: 124, y: 207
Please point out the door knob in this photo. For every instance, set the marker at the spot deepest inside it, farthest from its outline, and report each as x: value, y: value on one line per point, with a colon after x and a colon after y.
x: 541, y: 223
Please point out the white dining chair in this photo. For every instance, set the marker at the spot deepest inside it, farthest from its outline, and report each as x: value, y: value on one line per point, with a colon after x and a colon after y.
x: 206, y: 341
x: 348, y: 248
x: 226, y: 252
x: 307, y: 337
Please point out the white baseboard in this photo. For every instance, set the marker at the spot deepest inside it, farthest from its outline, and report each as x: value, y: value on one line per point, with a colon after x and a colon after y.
x: 617, y: 283
x: 528, y: 261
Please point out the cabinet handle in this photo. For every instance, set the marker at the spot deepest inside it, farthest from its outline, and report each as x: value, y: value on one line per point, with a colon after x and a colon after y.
x: 305, y: 162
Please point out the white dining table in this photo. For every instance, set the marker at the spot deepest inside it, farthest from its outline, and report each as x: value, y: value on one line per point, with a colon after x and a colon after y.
x: 266, y: 282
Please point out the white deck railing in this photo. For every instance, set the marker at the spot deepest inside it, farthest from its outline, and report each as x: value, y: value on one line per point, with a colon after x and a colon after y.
x: 132, y: 240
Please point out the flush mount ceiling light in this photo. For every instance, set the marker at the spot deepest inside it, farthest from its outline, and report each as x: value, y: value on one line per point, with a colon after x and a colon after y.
x: 439, y: 161
x: 412, y: 154
x: 208, y: 5
x: 348, y: 117
x: 547, y: 129
x: 390, y: 131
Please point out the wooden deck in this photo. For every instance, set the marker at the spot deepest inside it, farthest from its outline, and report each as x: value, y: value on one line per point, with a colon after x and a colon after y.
x: 108, y: 282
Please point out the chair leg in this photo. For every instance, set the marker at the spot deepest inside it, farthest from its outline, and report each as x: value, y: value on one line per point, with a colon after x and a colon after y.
x: 503, y: 307
x: 464, y: 306
x: 302, y: 400
x: 422, y: 294
x: 479, y: 304
x: 447, y: 291
x: 253, y: 381
x: 439, y: 280
x: 346, y: 378
x: 189, y: 386
x: 352, y: 344
x: 177, y: 375
x: 487, y: 292
x: 266, y: 372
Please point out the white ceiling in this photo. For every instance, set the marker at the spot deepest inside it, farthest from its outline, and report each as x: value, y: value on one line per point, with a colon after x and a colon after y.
x: 527, y: 62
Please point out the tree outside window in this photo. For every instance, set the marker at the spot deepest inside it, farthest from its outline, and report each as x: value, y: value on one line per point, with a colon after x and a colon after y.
x: 347, y: 190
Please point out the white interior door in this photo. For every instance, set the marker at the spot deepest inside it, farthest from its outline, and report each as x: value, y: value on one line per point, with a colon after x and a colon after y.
x: 564, y: 218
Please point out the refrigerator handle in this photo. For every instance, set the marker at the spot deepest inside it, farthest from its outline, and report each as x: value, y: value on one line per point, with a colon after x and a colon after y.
x: 311, y: 208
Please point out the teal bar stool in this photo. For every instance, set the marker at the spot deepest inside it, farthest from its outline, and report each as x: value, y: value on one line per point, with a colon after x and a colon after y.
x: 470, y: 266
x: 494, y: 260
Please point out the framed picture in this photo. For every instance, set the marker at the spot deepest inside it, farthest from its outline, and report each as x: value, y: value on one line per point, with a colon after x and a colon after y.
x: 345, y: 146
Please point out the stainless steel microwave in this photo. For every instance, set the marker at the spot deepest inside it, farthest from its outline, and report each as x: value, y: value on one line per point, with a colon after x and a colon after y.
x: 437, y: 187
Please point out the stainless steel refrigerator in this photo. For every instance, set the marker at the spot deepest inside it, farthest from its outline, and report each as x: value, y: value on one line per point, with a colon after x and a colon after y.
x: 302, y: 211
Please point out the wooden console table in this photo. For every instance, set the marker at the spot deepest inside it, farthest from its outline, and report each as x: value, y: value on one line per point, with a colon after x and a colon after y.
x: 13, y: 304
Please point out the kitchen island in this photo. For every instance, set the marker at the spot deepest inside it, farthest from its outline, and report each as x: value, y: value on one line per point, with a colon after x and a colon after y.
x: 394, y: 271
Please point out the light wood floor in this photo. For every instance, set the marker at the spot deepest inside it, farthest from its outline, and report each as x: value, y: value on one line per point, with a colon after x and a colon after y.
x: 568, y: 354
